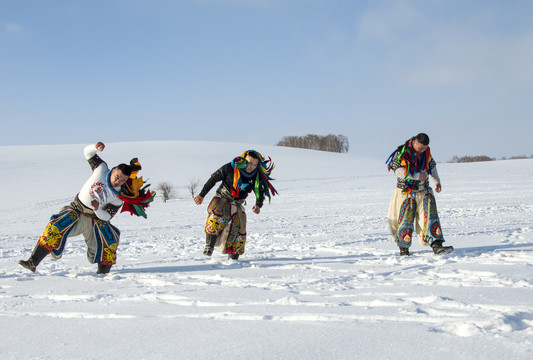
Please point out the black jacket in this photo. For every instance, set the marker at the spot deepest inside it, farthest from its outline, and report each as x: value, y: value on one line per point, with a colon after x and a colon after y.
x: 225, y: 174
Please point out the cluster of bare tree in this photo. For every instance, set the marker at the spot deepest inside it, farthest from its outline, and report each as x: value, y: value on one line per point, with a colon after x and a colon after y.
x: 166, y: 189
x: 332, y: 143
x: 466, y: 159
x: 168, y: 192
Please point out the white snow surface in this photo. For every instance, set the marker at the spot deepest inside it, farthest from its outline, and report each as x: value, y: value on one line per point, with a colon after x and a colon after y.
x: 320, y: 279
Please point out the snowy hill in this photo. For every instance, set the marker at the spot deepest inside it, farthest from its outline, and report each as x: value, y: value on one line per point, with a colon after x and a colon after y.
x: 320, y: 279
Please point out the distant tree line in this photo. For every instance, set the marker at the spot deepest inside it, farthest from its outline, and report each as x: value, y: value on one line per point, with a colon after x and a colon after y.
x: 332, y: 143
x: 466, y: 159
x: 518, y: 157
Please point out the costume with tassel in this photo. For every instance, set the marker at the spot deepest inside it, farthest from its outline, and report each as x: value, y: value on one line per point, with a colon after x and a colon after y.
x: 226, y: 218
x: 136, y: 196
x: 262, y: 179
x: 413, y: 206
x: 82, y: 217
x: 410, y: 163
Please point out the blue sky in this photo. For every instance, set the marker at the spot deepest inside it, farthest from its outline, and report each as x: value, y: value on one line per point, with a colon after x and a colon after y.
x: 75, y: 71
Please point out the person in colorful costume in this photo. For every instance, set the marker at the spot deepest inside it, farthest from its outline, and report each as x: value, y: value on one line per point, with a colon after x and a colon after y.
x: 413, y: 199
x: 90, y: 213
x: 226, y: 217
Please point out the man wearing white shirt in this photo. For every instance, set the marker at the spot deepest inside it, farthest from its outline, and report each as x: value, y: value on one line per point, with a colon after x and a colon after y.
x: 88, y: 215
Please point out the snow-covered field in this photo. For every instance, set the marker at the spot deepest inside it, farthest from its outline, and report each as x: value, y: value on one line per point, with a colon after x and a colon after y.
x: 320, y: 279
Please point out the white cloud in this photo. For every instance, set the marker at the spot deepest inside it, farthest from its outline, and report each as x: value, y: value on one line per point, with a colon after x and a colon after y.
x: 519, y: 57
x: 467, y: 57
x: 385, y: 22
x: 12, y: 28
x: 419, y: 47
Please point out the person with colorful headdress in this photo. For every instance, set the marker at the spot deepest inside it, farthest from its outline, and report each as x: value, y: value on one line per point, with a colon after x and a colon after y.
x: 90, y: 214
x: 413, y: 200
x: 226, y: 218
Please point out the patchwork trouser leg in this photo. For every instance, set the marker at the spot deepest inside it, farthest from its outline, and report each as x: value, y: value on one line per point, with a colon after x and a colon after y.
x: 227, y: 221
x: 58, y: 230
x: 431, y: 230
x: 102, y: 245
x: 402, y: 210
x: 236, y: 238
x: 218, y: 215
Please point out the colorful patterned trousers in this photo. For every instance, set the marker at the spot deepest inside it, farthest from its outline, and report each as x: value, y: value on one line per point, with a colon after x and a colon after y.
x: 416, y: 209
x: 101, y: 237
x: 227, y: 220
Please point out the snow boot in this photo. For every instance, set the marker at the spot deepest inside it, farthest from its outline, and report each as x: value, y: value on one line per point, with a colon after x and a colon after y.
x: 39, y: 253
x: 439, y: 249
x: 404, y: 251
x: 233, y: 256
x: 103, y: 269
x: 210, y: 241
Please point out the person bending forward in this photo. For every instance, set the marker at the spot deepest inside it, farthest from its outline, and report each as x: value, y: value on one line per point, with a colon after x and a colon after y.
x: 226, y: 218
x: 413, y: 200
x: 89, y: 215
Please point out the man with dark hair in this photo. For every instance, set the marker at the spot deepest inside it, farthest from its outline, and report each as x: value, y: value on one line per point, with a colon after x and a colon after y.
x: 89, y: 215
x: 413, y: 198
x: 422, y: 139
x: 226, y: 219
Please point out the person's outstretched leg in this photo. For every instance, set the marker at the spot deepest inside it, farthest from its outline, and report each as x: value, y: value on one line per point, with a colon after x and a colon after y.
x: 39, y: 253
